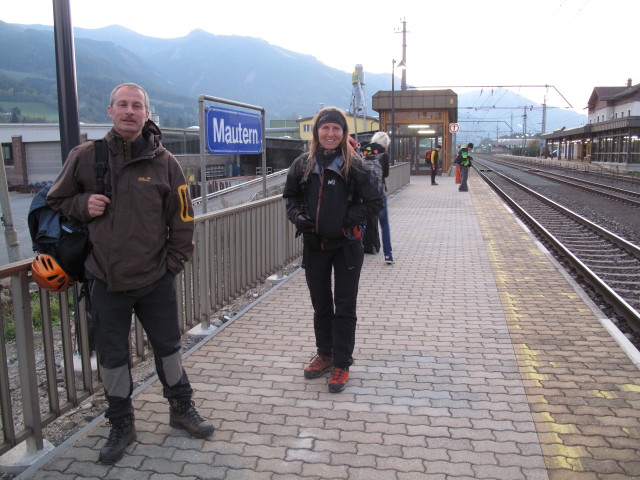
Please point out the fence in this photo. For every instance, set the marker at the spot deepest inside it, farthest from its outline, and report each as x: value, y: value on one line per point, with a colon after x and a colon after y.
x: 235, y: 250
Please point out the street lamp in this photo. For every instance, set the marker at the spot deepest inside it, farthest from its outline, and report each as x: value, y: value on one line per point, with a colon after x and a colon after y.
x: 401, y: 66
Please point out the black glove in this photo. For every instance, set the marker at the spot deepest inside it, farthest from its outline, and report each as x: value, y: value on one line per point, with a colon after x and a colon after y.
x: 304, y: 223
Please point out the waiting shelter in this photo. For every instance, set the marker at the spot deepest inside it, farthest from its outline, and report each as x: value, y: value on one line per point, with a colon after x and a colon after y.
x: 417, y: 121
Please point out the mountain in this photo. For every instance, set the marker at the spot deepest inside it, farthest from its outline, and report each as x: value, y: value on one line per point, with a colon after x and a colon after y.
x: 176, y: 71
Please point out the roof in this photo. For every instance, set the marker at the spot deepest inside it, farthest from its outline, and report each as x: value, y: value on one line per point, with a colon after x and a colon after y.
x: 612, y: 94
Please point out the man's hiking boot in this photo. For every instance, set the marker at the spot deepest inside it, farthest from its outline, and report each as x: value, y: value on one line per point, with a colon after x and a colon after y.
x: 338, y: 379
x: 319, y: 364
x: 183, y: 414
x: 123, y: 432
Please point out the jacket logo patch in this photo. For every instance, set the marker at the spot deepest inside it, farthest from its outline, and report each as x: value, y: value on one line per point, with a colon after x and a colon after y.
x: 331, y: 181
x: 144, y: 179
x: 185, y: 204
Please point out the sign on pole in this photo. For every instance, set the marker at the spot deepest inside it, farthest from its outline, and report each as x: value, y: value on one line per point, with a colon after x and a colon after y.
x: 454, y: 127
x: 230, y: 131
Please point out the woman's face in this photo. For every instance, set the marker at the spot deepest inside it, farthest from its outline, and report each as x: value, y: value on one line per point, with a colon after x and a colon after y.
x: 330, y: 135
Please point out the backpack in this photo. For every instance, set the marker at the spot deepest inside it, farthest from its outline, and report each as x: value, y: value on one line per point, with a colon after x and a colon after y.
x: 65, y: 239
x: 427, y: 156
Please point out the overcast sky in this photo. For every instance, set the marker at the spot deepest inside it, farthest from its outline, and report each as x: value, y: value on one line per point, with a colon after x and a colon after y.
x: 571, y: 45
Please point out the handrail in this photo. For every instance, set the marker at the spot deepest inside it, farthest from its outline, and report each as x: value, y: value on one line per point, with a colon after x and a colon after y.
x: 235, y: 249
x: 236, y: 188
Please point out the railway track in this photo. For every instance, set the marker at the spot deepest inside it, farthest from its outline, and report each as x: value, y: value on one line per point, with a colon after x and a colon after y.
x: 606, y: 262
x: 624, y: 195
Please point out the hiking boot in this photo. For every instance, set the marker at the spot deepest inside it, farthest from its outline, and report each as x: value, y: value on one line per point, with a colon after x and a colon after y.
x: 183, y: 414
x: 123, y: 432
x: 338, y: 379
x: 319, y: 364
x: 433, y: 183
x: 389, y: 259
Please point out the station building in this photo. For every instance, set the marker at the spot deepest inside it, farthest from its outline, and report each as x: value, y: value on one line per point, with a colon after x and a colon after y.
x: 612, y: 136
x: 418, y: 120
x: 32, y: 154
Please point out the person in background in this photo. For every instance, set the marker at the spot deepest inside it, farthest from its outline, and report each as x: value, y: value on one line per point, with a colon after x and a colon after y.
x: 377, y: 158
x: 353, y: 143
x: 464, y: 160
x: 329, y: 194
x: 435, y: 157
x: 142, y: 236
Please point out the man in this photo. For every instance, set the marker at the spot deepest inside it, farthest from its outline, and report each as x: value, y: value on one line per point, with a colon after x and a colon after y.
x: 435, y: 157
x: 142, y: 235
x: 464, y: 160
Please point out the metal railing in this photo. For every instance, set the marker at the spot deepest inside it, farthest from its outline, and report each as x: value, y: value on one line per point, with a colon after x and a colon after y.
x: 235, y: 249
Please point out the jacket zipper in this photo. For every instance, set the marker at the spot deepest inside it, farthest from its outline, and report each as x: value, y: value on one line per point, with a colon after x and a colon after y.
x: 320, y: 204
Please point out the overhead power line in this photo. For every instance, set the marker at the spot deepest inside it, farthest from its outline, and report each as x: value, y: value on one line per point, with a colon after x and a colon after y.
x: 494, y: 86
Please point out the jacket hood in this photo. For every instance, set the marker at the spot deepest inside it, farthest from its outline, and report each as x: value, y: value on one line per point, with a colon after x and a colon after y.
x: 151, y: 128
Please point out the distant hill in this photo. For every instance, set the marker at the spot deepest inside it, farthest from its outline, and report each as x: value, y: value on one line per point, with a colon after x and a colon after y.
x: 175, y: 71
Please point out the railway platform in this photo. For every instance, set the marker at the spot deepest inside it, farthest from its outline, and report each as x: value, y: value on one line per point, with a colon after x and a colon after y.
x: 476, y: 358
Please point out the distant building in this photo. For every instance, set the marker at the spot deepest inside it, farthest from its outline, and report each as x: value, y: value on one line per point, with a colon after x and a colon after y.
x: 417, y: 121
x: 612, y: 136
x: 357, y: 125
x: 284, y: 129
x: 33, y: 157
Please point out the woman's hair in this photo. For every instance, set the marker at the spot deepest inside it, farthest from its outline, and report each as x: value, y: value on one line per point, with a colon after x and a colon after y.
x: 381, y: 138
x: 348, y: 153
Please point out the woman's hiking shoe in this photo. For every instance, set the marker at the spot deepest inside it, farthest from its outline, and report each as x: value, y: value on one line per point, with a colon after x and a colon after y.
x: 319, y: 364
x: 338, y: 379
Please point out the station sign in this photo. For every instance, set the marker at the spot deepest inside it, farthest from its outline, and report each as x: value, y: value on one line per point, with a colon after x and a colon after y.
x: 232, y: 132
x: 454, y: 127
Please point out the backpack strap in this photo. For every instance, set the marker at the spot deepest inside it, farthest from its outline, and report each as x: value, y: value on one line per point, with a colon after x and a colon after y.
x: 103, y: 185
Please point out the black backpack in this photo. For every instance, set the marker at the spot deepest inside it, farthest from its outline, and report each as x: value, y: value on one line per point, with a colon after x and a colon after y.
x: 65, y: 239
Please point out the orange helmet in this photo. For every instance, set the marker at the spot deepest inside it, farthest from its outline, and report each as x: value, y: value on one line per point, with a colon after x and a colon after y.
x: 48, y: 274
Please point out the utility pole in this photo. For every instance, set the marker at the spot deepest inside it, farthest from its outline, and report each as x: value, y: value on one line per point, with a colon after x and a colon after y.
x: 66, y: 76
x: 403, y: 83
x: 544, y: 114
x: 524, y: 130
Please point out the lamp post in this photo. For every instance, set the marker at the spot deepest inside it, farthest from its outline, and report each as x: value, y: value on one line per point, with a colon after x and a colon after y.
x: 402, y: 66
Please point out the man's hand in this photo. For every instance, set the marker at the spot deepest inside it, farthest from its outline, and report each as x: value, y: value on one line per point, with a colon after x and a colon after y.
x: 304, y: 223
x: 96, y: 204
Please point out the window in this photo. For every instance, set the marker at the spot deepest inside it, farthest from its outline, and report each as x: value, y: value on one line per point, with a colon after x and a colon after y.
x: 7, y: 154
x: 306, y: 128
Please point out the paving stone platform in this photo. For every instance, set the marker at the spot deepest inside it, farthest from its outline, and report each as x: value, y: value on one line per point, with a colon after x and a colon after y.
x: 476, y: 358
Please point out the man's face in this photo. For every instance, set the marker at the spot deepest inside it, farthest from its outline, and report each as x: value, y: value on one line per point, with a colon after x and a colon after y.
x: 128, y: 112
x: 330, y: 135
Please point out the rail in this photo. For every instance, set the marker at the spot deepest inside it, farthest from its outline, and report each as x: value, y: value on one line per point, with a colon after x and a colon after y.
x: 236, y: 188
x: 235, y: 249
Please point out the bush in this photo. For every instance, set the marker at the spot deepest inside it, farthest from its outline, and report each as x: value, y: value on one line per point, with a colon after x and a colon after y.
x: 6, y: 312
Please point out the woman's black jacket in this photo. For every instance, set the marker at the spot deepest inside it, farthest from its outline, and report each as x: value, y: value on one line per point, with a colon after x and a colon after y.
x: 334, y: 204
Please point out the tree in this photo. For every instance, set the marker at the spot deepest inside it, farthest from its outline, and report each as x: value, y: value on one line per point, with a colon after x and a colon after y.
x: 15, y: 115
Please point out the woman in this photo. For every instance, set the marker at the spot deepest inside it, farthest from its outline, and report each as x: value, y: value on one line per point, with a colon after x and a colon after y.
x: 329, y: 194
x: 376, y: 157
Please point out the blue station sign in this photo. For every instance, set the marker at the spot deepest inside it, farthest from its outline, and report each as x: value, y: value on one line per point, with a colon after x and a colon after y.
x: 230, y: 131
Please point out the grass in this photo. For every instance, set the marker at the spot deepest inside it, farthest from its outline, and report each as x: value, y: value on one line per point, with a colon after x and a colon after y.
x: 32, y: 110
x: 6, y: 310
